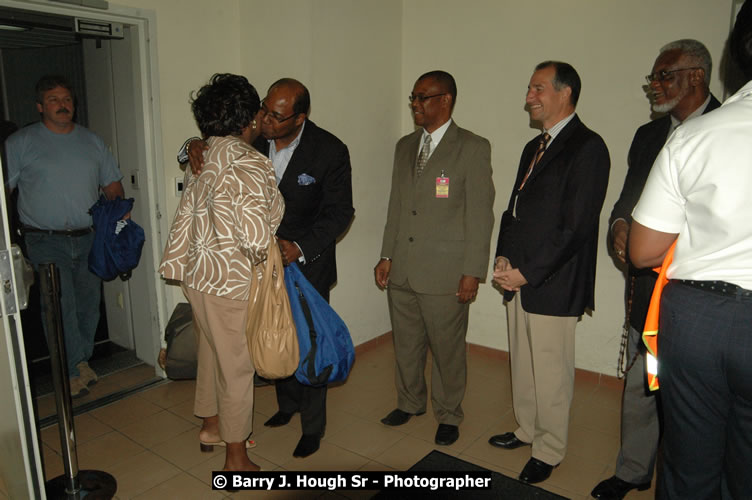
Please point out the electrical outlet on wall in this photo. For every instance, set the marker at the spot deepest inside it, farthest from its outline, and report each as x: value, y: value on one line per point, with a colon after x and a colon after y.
x: 178, y: 186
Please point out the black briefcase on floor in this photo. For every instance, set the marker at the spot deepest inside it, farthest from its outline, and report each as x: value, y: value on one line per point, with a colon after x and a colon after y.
x: 182, y: 349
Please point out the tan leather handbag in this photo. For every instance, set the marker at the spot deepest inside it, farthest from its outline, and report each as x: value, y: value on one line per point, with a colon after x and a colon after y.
x: 272, y: 340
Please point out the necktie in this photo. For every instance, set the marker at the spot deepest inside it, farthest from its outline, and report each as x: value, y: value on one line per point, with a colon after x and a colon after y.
x: 537, y: 156
x: 423, y: 156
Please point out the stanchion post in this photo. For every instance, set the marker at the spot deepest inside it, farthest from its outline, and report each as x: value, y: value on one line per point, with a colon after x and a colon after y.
x: 73, y: 484
x: 50, y: 289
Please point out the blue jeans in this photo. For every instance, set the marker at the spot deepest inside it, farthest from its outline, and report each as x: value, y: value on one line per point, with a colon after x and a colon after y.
x: 705, y: 372
x: 80, y: 290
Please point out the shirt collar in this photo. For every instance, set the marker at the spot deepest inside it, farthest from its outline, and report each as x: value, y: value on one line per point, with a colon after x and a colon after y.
x: 743, y: 93
x: 694, y: 114
x: 436, y: 135
x: 554, y: 131
x: 292, y: 145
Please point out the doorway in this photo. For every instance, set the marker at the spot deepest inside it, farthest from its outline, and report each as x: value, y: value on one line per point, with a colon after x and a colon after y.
x: 138, y: 147
x: 109, y: 74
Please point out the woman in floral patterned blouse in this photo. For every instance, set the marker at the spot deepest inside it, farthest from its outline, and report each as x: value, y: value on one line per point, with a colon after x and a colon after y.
x: 222, y: 230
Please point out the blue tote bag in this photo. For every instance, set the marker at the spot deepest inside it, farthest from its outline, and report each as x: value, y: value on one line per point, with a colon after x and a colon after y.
x: 326, y: 348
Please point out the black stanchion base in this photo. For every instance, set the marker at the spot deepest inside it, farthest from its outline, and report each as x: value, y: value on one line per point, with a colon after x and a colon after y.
x: 95, y: 485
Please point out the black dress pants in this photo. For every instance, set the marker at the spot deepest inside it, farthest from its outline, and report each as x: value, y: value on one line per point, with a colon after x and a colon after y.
x: 293, y: 397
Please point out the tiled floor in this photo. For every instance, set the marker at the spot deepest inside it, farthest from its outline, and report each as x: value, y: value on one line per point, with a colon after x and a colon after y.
x: 124, y: 379
x: 149, y: 441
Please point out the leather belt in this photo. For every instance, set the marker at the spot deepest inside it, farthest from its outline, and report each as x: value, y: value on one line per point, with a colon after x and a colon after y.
x: 66, y: 232
x: 719, y: 287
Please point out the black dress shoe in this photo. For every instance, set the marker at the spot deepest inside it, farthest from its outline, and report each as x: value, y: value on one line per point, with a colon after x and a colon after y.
x: 614, y: 488
x: 507, y: 440
x: 535, y: 471
x: 447, y: 434
x: 279, y: 419
x: 308, y: 445
x: 398, y: 417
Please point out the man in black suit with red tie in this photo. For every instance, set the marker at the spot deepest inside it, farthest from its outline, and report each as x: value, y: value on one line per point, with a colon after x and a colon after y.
x: 678, y: 87
x: 545, y: 262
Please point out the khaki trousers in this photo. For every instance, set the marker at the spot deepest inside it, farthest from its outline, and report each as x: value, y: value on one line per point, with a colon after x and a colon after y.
x: 224, y: 382
x: 541, y: 354
x: 420, y: 322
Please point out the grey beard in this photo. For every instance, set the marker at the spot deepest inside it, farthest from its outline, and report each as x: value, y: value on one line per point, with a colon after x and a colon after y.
x: 666, y: 106
x: 669, y: 105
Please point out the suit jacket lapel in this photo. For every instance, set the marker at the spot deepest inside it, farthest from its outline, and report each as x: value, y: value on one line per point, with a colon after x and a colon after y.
x: 713, y: 104
x: 297, y: 163
x: 659, y: 139
x: 442, y: 151
x: 555, y: 148
x: 412, y: 152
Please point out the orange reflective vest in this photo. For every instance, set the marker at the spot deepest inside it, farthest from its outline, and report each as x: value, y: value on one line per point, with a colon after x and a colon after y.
x: 650, y: 332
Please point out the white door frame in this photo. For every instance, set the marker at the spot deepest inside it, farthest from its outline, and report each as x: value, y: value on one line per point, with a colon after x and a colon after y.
x: 150, y: 146
x: 18, y: 443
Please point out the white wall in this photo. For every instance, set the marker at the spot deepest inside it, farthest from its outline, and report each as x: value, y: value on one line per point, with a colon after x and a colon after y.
x: 348, y: 55
x: 360, y: 60
x: 491, y: 48
x: 194, y: 41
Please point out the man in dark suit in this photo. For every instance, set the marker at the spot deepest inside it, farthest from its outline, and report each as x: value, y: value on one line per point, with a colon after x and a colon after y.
x: 435, y: 251
x: 315, y: 178
x: 545, y: 262
x: 679, y: 87
x: 316, y: 183
x: 317, y: 187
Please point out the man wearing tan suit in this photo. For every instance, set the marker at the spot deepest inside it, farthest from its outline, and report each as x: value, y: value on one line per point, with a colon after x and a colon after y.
x: 435, y: 251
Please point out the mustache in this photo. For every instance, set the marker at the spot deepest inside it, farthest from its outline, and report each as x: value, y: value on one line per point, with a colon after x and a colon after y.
x: 62, y: 111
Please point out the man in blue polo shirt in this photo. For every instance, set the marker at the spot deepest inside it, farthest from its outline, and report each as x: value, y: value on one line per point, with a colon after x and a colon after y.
x: 59, y: 167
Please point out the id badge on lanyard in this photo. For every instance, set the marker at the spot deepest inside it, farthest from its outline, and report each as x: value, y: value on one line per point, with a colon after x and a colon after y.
x: 442, y: 186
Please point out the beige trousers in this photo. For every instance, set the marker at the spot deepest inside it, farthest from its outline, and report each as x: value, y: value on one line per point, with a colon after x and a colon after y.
x: 224, y: 383
x: 541, y: 355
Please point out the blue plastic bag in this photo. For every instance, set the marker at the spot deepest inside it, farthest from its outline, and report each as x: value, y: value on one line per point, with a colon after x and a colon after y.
x: 326, y: 349
x: 117, y: 243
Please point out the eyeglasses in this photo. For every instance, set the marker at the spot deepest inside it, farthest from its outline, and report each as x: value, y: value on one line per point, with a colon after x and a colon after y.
x: 664, y: 75
x: 422, y: 98
x: 277, y: 117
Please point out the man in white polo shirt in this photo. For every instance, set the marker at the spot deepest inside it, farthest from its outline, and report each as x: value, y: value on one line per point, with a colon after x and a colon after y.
x: 697, y: 194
